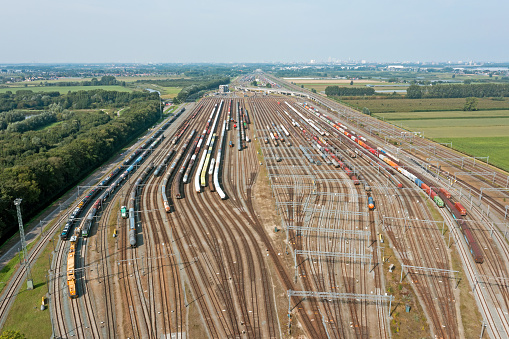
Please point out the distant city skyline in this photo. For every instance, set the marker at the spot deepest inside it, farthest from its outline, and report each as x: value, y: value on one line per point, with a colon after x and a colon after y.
x: 224, y: 31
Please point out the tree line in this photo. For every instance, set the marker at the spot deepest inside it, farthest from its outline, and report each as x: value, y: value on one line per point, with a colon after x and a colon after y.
x: 7, y: 118
x: 107, y: 80
x: 458, y: 91
x: 180, y: 82
x: 348, y: 91
x: 28, y: 99
x: 33, y: 122
x: 40, y: 165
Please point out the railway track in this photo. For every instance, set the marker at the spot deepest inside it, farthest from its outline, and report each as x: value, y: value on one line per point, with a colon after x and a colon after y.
x: 205, y: 268
x: 500, y: 181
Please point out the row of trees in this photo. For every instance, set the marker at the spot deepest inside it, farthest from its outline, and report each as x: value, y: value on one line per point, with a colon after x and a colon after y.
x: 27, y: 99
x: 458, y: 91
x: 180, y: 82
x: 348, y: 91
x: 17, y: 148
x: 34, y: 122
x: 38, y: 166
x: 106, y: 80
x: 7, y: 118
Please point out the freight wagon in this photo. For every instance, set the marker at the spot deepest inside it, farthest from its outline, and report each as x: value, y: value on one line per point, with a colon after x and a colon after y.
x: 473, y: 246
x: 71, y: 273
x: 123, y: 212
x: 371, y: 203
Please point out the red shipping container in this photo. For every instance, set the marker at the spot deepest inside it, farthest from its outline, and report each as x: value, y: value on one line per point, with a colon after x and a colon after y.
x: 444, y: 192
x: 460, y: 208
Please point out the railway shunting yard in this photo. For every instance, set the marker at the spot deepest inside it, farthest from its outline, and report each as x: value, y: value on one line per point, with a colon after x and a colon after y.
x: 272, y: 216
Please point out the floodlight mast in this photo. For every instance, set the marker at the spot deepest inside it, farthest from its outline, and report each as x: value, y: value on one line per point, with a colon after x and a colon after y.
x: 30, y: 284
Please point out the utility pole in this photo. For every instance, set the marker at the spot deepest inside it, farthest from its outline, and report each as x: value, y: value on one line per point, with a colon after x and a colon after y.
x: 30, y: 283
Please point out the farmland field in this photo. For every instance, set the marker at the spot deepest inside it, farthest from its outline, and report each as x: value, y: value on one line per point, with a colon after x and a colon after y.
x: 443, y: 115
x: 377, y: 105
x: 494, y: 147
x: 320, y: 85
x: 457, y: 128
x: 330, y: 82
x: 65, y: 89
x: 480, y: 133
x: 170, y: 92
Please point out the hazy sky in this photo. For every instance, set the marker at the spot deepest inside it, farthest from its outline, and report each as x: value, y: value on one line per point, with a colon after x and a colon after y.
x: 253, y: 31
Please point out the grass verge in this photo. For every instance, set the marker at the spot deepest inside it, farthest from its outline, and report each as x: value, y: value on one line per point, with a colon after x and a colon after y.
x: 10, y: 268
x: 25, y: 311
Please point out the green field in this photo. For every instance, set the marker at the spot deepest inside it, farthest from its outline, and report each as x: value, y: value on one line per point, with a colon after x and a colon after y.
x: 455, y: 128
x: 443, y: 115
x: 480, y: 133
x: 378, y: 105
x: 170, y: 92
x: 320, y: 85
x: 25, y: 311
x: 166, y: 92
x: 494, y: 147
x: 65, y: 89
